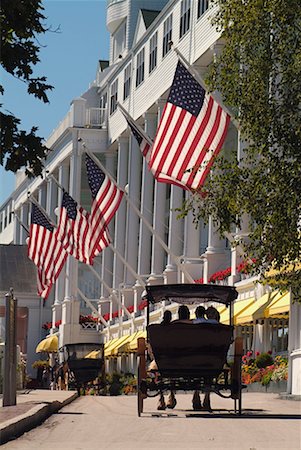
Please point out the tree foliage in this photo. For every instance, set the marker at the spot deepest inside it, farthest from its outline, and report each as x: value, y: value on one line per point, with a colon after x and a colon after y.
x: 22, y: 21
x: 258, y: 74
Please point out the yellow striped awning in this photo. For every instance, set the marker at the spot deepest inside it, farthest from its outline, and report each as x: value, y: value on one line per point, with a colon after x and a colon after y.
x: 254, y: 311
x: 124, y: 348
x: 133, y: 345
x: 239, y: 307
x: 119, y: 343
x: 110, y: 351
x: 95, y: 354
x: 279, y: 305
x: 48, y: 345
x: 108, y: 345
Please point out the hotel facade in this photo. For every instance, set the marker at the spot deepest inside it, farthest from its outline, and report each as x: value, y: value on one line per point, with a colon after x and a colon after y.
x: 138, y: 76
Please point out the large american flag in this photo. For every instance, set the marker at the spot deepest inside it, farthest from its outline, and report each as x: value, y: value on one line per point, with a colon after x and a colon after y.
x: 74, y: 231
x: 45, y: 251
x: 145, y: 145
x: 106, y: 200
x: 191, y: 132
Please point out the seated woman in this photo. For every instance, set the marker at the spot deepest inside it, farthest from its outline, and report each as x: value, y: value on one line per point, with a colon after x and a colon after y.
x: 183, y: 314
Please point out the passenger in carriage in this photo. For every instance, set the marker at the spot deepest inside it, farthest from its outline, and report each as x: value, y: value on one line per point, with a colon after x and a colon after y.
x: 167, y: 316
x: 183, y: 314
x: 200, y: 315
x: 213, y: 317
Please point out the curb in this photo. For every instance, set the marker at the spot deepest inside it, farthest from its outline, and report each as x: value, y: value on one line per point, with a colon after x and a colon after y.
x: 33, y: 418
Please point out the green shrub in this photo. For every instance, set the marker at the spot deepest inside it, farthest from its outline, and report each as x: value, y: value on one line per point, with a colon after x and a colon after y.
x: 263, y: 360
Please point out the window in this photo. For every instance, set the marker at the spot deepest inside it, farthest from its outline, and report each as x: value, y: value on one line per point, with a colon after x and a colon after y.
x: 153, y: 52
x: 140, y: 68
x: 119, y: 39
x: 203, y: 5
x: 185, y: 17
x: 127, y: 81
x: 114, y: 97
x: 167, y: 35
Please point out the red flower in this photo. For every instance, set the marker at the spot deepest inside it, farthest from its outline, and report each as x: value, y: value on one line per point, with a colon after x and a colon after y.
x: 257, y: 353
x: 270, y: 352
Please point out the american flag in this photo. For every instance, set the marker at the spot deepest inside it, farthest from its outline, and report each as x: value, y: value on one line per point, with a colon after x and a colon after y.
x: 106, y: 200
x: 145, y: 145
x: 45, y: 251
x: 191, y: 132
x: 74, y: 229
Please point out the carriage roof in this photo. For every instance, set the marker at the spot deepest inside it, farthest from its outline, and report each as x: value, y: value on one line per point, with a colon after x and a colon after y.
x: 191, y: 293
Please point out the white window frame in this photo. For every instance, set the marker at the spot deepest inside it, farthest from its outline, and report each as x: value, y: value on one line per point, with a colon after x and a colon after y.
x: 127, y: 73
x: 140, y: 65
x: 113, y: 96
x: 185, y: 17
x: 167, y: 35
x: 153, y: 52
x: 203, y: 5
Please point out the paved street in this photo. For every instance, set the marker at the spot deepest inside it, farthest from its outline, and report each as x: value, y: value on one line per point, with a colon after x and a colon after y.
x: 112, y: 423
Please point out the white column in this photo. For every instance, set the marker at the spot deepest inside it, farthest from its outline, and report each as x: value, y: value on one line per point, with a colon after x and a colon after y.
x: 63, y: 179
x: 42, y: 195
x: 144, y: 254
x: 192, y: 238
x: 16, y: 228
x: 132, y: 231
x: 175, y: 234
x: 71, y: 304
x: 120, y: 218
x: 24, y: 220
x: 216, y: 257
x: 51, y: 198
x: 107, y: 254
x: 158, y: 254
x: 294, y: 349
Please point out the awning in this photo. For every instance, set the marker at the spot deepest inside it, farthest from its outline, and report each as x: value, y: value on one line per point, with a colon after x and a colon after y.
x: 254, y: 311
x: 133, y: 345
x: 48, y: 345
x: 238, y: 307
x: 119, y: 343
x: 95, y: 354
x: 114, y: 343
x: 278, y: 306
x: 108, y: 345
x: 124, y: 348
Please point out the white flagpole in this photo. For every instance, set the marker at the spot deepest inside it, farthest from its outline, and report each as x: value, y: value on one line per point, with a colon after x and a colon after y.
x: 200, y: 80
x: 89, y: 303
x: 130, y: 119
x: 21, y: 223
x: 147, y: 224
x: 101, y: 280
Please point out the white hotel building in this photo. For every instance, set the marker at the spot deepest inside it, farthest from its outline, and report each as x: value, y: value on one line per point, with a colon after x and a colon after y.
x: 138, y: 76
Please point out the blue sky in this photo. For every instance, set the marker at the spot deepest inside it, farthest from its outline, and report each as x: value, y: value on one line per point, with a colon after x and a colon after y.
x: 68, y: 59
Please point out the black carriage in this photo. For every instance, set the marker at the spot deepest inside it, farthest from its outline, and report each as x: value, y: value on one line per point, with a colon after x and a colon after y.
x: 190, y: 356
x: 85, y: 363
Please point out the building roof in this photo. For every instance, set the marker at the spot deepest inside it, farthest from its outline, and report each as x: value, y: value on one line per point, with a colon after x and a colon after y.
x: 149, y: 16
x: 16, y: 270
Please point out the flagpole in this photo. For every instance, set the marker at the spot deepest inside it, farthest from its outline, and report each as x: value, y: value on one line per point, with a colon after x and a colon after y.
x: 101, y: 280
x: 140, y: 129
x: 21, y: 223
x: 159, y: 239
x: 103, y: 321
x: 200, y: 80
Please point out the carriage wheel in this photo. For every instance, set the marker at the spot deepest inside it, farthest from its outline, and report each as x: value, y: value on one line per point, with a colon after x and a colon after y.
x: 140, y: 395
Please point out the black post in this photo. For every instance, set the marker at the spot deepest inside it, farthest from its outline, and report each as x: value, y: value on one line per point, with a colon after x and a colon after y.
x: 10, y: 354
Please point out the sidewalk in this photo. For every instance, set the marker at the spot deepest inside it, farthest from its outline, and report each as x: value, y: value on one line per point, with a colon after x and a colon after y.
x: 33, y: 407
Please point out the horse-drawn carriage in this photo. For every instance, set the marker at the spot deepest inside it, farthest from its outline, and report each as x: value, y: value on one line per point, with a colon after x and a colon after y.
x: 190, y: 356
x: 85, y: 364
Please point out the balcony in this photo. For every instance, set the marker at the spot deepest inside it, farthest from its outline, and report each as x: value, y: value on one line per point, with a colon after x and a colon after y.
x: 79, y: 116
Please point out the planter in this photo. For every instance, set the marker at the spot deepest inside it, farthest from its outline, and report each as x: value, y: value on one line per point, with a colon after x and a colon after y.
x: 274, y: 387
